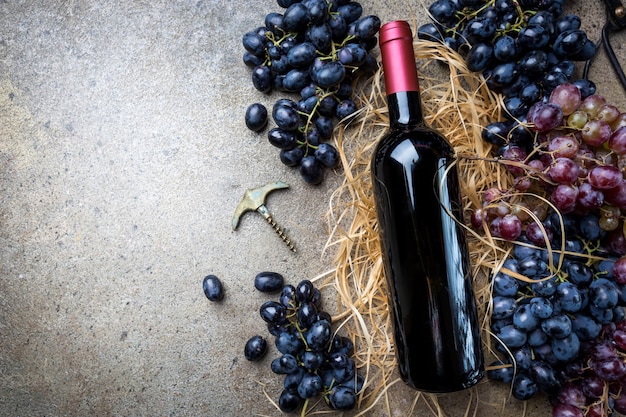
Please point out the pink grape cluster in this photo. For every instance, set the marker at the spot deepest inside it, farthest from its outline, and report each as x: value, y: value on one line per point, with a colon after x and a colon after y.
x: 577, y: 163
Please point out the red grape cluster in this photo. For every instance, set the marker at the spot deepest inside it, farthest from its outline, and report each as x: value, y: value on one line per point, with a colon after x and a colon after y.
x: 596, y: 384
x: 576, y: 164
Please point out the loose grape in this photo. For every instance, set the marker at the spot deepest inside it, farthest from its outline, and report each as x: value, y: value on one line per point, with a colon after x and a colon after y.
x: 443, y: 11
x: 564, y: 197
x: 591, y: 105
x: 311, y: 170
x: 289, y: 401
x: 256, y: 348
x: 479, y: 56
x: 510, y: 227
x: 566, y: 96
x: 589, y: 198
x: 327, y: 155
x: 262, y: 78
x: 342, y: 398
x: 617, y: 141
x: 545, y: 116
x: 608, y: 113
x: 563, y: 171
x: 563, y: 147
x: 619, y: 121
x: 605, y: 177
x: 595, y: 132
x: 577, y: 119
x: 566, y: 410
x: 268, y: 281
x: 213, y: 288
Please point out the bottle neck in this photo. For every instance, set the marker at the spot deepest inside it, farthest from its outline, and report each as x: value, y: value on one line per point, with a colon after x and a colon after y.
x: 405, y: 110
x: 401, y: 82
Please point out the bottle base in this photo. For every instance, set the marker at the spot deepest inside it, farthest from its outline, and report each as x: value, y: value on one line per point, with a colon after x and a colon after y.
x: 445, y: 386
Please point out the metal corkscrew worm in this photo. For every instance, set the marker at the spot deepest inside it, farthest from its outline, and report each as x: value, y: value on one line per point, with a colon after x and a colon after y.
x: 254, y: 200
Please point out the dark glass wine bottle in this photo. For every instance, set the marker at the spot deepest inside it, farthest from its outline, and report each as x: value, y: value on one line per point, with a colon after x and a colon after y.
x: 426, y: 259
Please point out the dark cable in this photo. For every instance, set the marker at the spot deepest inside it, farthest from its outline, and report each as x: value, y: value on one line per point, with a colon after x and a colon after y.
x: 612, y: 58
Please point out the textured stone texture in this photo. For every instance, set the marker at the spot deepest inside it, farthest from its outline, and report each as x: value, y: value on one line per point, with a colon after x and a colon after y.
x: 123, y: 154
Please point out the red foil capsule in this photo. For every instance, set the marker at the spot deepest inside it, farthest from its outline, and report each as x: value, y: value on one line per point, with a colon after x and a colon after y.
x: 396, y: 40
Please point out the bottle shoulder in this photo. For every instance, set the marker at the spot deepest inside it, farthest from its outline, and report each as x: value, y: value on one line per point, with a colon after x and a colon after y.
x: 422, y: 138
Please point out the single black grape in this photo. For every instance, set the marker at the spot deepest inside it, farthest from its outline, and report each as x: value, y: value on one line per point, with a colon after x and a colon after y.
x: 274, y: 23
x: 533, y: 37
x: 301, y: 55
x: 273, y: 312
x: 505, y: 49
x: 442, y: 10
x: 296, y: 17
x: 254, y: 43
x: 312, y: 360
x: 289, y: 401
x: 282, y: 139
x: 318, y: 10
x: 479, y: 57
x: 292, y: 157
x: 352, y: 54
x: 366, y: 27
x: 342, y: 398
x: 251, y: 60
x: 318, y: 336
x: 256, y: 117
x: 307, y: 315
x: 262, y: 78
x: 268, y: 281
x: 429, y: 32
x: 324, y: 125
x: 310, y: 385
x: 286, y: 115
x: 503, y: 75
x: 327, y: 155
x: 311, y: 170
x: 304, y: 291
x: 288, y: 296
x: 567, y: 22
x: 338, y: 27
x: 321, y: 36
x: 569, y: 43
x: 345, y: 108
x: 350, y: 11
x: 329, y: 75
x: 296, y: 79
x: 480, y: 29
x: 256, y: 348
x: 213, y: 288
x: 288, y: 342
x: 284, y: 364
x: 496, y: 133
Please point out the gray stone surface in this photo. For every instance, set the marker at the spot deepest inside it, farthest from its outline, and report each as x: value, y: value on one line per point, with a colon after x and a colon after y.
x: 123, y: 154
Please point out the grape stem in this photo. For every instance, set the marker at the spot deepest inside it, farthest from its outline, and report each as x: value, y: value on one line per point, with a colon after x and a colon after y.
x: 306, y: 403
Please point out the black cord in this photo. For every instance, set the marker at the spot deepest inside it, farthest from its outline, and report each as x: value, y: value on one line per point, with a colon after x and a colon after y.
x: 611, y: 55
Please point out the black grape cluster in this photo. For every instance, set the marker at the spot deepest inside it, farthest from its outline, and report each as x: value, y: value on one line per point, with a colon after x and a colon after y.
x: 551, y: 323
x: 314, y: 361
x: 523, y: 48
x: 315, y: 49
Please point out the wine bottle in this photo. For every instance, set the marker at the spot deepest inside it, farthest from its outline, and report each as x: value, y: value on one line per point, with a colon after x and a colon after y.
x: 425, y: 253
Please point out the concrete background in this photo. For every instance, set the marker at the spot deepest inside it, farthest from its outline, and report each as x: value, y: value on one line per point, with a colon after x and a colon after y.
x: 123, y: 154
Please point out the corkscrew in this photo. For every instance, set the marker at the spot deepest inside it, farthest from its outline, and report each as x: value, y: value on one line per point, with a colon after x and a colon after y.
x: 254, y: 200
